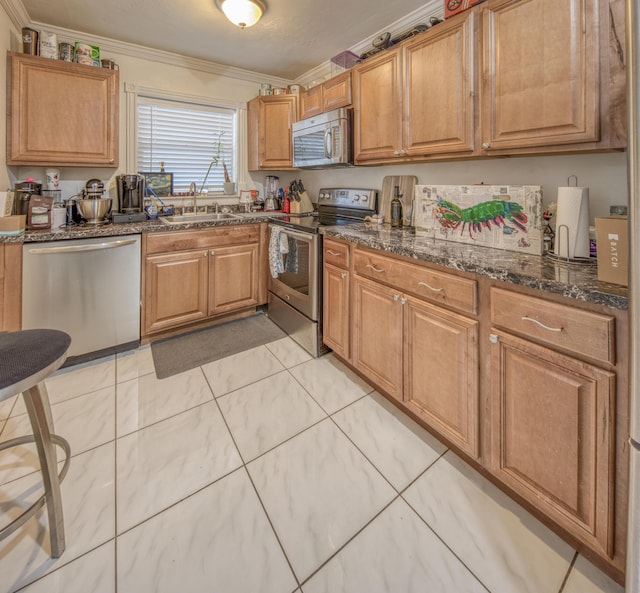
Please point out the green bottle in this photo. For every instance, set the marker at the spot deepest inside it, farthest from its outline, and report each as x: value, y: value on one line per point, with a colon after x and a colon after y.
x: 396, y: 208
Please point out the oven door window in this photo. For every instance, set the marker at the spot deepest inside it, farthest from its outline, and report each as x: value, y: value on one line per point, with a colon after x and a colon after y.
x: 298, y: 283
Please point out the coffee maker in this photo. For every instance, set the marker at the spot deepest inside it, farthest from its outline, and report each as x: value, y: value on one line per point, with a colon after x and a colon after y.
x: 130, y: 199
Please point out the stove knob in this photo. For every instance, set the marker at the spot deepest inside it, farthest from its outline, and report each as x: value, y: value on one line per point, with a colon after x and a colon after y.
x: 356, y: 198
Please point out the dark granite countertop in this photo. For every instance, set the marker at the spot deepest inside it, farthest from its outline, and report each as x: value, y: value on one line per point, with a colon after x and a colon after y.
x: 113, y: 230
x: 575, y: 281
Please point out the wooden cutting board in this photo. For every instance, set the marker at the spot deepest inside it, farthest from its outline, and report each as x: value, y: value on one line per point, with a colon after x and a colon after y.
x: 406, y: 183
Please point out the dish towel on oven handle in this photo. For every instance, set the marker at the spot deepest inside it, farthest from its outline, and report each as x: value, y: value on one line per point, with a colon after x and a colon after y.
x: 278, y: 245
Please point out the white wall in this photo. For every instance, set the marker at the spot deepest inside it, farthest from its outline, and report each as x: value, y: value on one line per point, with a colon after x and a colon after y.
x: 605, y: 174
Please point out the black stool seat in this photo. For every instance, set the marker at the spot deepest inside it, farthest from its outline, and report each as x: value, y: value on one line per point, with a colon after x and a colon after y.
x: 27, y: 358
x: 27, y: 354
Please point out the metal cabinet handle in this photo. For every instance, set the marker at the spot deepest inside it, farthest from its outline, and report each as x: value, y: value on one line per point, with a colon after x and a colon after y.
x: 396, y: 297
x: 486, y: 145
x: 542, y: 325
x: 375, y: 269
x: 431, y: 287
x: 403, y: 300
x: 343, y: 275
x: 494, y: 338
x: 335, y: 253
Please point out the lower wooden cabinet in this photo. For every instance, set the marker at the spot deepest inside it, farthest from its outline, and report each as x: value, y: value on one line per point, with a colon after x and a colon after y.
x: 191, y: 276
x: 553, y: 435
x: 233, y: 278
x: 176, y: 289
x: 441, y: 371
x: 335, y: 302
x: 377, y: 334
x: 421, y: 354
x: 10, y: 286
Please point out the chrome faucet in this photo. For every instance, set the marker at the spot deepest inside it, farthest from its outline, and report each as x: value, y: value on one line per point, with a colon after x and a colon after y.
x: 216, y: 205
x: 192, y: 191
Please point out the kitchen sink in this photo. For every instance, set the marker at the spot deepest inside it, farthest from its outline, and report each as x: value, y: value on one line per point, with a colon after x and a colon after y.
x: 201, y: 217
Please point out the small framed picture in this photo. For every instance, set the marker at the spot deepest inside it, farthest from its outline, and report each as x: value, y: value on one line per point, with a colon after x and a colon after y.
x: 160, y: 183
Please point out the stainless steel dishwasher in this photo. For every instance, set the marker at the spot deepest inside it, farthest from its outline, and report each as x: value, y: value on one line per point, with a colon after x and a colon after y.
x: 89, y: 288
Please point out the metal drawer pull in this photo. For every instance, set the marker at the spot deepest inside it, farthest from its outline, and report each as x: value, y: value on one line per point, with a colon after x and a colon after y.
x: 375, y: 269
x: 430, y: 287
x: 542, y: 325
x: 343, y: 275
x: 333, y: 252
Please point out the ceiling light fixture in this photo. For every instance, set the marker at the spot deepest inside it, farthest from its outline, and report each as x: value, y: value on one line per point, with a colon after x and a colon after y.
x: 242, y: 13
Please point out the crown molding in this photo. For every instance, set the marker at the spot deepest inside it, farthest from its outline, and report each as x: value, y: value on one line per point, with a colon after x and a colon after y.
x: 420, y: 15
x: 161, y: 56
x: 16, y: 12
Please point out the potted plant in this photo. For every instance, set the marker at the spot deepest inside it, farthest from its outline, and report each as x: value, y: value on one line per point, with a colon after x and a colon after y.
x: 229, y: 186
x: 217, y: 147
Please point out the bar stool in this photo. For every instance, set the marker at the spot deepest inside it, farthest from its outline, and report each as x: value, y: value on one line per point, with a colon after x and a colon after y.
x: 27, y: 358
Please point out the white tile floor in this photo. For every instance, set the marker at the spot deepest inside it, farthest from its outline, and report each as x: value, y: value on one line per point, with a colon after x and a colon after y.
x: 266, y: 472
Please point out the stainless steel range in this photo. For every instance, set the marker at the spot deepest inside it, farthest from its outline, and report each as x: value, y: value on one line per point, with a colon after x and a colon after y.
x: 295, y: 258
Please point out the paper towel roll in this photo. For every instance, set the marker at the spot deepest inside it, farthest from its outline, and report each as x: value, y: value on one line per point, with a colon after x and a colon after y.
x: 572, y: 222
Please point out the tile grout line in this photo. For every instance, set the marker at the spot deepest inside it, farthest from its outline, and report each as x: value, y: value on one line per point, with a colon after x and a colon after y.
x: 244, y: 466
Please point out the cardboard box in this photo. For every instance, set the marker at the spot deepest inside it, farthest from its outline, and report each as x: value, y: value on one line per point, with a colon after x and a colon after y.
x: 452, y: 7
x: 13, y: 225
x: 612, y: 244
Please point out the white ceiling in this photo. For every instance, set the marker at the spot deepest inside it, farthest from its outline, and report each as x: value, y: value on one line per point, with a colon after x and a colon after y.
x: 293, y: 36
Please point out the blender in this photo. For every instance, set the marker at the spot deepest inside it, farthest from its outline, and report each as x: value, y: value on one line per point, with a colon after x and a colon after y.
x: 271, y: 184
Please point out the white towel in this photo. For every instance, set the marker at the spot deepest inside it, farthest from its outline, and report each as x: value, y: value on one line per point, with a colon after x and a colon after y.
x: 278, y: 244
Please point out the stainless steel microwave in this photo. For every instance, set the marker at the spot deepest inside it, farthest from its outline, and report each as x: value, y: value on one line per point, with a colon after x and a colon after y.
x: 324, y: 140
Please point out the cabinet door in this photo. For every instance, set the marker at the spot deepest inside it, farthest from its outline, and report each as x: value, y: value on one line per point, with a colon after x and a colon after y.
x: 337, y: 92
x: 552, y: 435
x: 441, y: 371
x: 175, y: 289
x: 377, y: 85
x: 541, y: 73
x: 233, y: 278
x: 269, y: 128
x: 311, y: 102
x: 335, y: 318
x: 377, y: 334
x: 61, y: 114
x: 439, y: 90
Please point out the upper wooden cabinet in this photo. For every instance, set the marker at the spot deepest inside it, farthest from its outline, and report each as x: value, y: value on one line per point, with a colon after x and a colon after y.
x: 60, y: 113
x: 418, y: 100
x: 332, y: 94
x: 542, y: 83
x: 269, y: 131
x: 505, y: 77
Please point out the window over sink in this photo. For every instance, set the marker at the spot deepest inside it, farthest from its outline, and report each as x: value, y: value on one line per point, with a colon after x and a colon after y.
x: 190, y: 136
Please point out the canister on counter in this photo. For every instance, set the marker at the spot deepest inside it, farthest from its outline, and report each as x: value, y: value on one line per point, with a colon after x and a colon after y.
x: 66, y: 52
x: 30, y: 41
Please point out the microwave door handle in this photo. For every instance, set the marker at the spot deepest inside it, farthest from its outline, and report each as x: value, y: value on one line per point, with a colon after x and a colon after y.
x: 328, y: 142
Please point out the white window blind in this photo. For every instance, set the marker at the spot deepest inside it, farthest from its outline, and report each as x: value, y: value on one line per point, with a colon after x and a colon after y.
x: 184, y: 137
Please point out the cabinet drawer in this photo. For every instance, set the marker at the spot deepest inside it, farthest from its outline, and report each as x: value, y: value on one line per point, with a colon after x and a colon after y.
x: 576, y: 330
x: 336, y: 253
x: 431, y: 285
x: 182, y: 240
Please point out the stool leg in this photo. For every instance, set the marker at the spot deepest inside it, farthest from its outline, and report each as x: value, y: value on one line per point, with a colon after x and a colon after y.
x: 37, y: 404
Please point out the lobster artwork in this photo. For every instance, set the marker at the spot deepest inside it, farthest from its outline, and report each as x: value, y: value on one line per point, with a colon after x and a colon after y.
x: 481, y: 216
